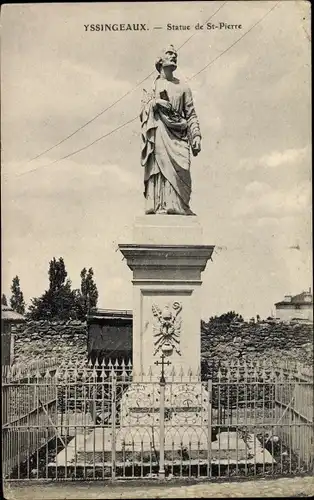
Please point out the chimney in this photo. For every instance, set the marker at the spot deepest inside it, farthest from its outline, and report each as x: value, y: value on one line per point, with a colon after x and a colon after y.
x: 308, y: 296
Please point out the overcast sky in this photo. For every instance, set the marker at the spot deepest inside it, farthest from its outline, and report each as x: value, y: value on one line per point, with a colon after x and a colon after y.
x: 251, y: 182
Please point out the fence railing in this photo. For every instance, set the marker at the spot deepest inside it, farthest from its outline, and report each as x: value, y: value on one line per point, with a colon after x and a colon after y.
x: 20, y: 371
x: 94, y: 422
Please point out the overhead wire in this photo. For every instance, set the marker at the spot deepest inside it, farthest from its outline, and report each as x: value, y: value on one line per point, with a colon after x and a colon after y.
x: 115, y: 102
x: 136, y: 117
x: 234, y: 43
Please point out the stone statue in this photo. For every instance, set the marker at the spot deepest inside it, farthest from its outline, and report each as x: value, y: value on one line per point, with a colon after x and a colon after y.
x: 170, y: 130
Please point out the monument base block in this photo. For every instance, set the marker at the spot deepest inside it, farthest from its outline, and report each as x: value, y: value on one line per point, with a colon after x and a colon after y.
x: 95, y: 450
x: 167, y: 260
x: 185, y: 404
x: 167, y: 230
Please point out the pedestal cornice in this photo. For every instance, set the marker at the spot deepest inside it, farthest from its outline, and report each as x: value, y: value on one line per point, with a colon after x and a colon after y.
x: 166, y: 256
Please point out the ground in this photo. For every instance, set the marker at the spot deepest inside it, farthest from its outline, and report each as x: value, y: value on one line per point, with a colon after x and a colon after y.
x: 284, y: 487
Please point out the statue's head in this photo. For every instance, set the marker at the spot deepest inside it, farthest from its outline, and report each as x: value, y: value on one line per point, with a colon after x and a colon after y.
x: 167, y: 59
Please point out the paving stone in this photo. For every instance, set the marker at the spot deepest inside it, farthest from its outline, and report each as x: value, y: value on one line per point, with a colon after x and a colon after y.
x: 261, y: 488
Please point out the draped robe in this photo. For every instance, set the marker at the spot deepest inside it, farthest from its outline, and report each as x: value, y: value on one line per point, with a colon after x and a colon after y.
x: 165, y: 155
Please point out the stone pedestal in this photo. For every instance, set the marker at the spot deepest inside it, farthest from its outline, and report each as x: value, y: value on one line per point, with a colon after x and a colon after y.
x: 167, y: 259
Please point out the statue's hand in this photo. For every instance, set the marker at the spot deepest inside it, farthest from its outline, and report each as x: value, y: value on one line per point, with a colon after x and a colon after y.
x: 196, y: 145
x: 163, y: 104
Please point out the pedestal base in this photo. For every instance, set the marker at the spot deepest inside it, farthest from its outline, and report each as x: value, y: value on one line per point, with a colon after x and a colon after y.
x: 95, y: 450
x: 167, y: 230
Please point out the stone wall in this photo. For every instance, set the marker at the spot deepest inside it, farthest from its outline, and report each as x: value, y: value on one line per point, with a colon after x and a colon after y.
x: 260, y: 340
x: 68, y: 340
x: 42, y: 339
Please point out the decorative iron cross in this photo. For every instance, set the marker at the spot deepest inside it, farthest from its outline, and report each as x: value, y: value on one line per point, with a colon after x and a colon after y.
x: 163, y: 363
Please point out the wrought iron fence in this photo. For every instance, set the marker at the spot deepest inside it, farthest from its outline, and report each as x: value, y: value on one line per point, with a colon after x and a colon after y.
x: 79, y: 421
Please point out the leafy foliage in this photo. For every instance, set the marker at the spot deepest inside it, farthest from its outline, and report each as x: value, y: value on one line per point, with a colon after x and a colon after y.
x: 228, y: 318
x: 55, y: 304
x: 4, y: 301
x: 57, y: 274
x: 60, y: 301
x: 89, y: 293
x: 17, y: 299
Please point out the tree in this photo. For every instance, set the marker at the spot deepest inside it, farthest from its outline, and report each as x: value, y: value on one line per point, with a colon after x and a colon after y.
x: 89, y: 292
x: 4, y: 301
x: 17, y: 298
x: 228, y: 318
x: 59, y: 301
x: 57, y: 274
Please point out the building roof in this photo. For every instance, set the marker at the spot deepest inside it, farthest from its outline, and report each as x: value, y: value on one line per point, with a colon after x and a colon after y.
x: 7, y: 314
x: 297, y: 300
x: 110, y: 314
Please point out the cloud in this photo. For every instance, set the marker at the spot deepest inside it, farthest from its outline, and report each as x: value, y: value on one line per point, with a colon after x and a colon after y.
x: 279, y: 158
x: 249, y: 182
x: 260, y: 199
x: 257, y: 188
x: 276, y: 159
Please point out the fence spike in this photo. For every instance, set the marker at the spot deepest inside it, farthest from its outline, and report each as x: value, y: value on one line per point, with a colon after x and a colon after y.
x: 291, y: 375
x: 37, y: 373
x: 123, y: 364
x: 57, y: 373
x: 116, y: 365
x: 103, y: 373
x: 7, y: 373
x: 18, y: 372
x: 257, y: 365
x: 84, y: 374
x: 75, y: 373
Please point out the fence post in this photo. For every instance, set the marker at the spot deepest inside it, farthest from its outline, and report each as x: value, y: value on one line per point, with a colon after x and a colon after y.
x: 209, y: 425
x: 161, y: 472
x: 113, y: 423
x: 12, y: 348
x: 5, y: 394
